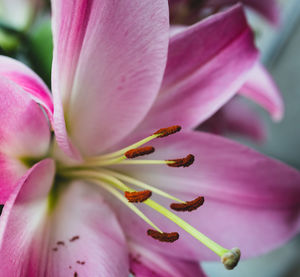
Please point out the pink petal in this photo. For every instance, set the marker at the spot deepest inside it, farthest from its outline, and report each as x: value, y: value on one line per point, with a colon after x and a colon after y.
x: 147, y: 263
x: 207, y: 64
x: 237, y: 118
x: 243, y: 120
x: 21, y: 217
x: 80, y: 234
x: 101, y: 246
x: 108, y: 64
x: 28, y: 80
x: 251, y: 201
x: 261, y: 88
x: 24, y: 134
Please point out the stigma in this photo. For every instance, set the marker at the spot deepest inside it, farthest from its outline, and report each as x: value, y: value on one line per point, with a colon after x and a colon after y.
x: 231, y: 258
x: 133, y: 192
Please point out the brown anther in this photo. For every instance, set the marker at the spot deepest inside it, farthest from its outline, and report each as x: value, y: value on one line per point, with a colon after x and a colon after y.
x: 75, y: 274
x: 188, y: 205
x: 137, y: 152
x: 165, y: 237
x: 168, y: 131
x: 55, y: 249
x: 184, y: 162
x: 137, y: 196
x: 74, y: 238
x: 60, y: 243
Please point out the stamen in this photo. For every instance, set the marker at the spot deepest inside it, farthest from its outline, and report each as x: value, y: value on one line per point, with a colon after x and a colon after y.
x: 137, y: 196
x: 110, y: 156
x: 165, y: 237
x: 139, y: 162
x: 133, y: 153
x: 218, y: 249
x: 231, y: 258
x: 188, y: 205
x: 184, y: 162
x: 121, y: 186
x: 141, y: 184
x: 123, y: 150
x: 164, y: 132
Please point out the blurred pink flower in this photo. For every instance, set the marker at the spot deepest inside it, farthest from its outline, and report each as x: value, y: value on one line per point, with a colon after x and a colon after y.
x: 269, y: 9
x: 59, y: 217
x: 190, y: 11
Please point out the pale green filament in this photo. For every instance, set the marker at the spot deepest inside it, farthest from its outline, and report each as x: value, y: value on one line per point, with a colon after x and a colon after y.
x: 124, y: 150
x: 103, y: 180
x: 140, y: 184
x: 103, y: 162
x: 99, y: 177
x: 122, y: 160
x: 91, y: 174
x: 92, y: 170
x: 125, y: 201
x: 146, y: 162
x: 213, y: 246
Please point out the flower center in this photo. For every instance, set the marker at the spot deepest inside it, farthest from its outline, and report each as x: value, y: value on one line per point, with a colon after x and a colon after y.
x: 95, y: 170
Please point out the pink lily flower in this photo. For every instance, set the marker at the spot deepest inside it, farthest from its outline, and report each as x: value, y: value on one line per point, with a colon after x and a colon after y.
x: 62, y: 216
